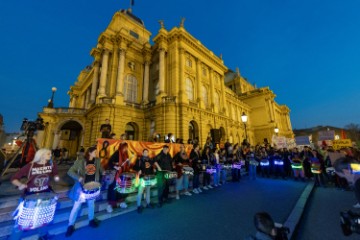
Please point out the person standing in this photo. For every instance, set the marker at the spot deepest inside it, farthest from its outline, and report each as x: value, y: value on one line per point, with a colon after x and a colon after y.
x: 105, y: 129
x: 38, y: 173
x: 85, y: 170
x: 144, y: 167
x: 163, y: 162
x: 181, y: 160
x: 206, y: 159
x: 118, y: 162
x: 195, y: 161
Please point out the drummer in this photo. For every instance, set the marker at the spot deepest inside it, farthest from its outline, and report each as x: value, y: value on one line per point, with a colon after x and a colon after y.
x: 206, y: 159
x: 182, y: 182
x: 38, y: 174
x: 144, y: 166
x: 84, y: 171
x: 163, y: 162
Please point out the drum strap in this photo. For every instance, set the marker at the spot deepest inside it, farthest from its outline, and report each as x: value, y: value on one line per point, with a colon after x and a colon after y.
x: 16, y: 214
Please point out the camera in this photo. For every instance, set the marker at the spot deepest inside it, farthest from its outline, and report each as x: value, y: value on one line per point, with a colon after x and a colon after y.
x: 32, y: 126
x: 350, y: 222
x: 282, y: 233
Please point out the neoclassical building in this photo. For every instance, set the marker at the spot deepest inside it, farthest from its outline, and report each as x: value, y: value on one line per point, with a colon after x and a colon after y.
x: 175, y: 85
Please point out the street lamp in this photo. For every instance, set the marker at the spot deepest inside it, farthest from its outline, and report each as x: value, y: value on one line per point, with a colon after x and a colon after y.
x: 51, y: 101
x: 244, y: 119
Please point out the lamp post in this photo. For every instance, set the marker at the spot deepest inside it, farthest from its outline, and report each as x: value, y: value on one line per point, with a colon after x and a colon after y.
x: 244, y: 119
x: 51, y: 101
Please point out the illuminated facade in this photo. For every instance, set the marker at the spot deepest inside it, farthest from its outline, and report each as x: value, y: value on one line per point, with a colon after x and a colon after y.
x: 176, y: 86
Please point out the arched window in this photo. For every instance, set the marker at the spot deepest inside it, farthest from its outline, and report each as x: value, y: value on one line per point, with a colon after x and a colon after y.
x: 130, y: 88
x: 217, y: 99
x: 189, y: 89
x: 205, y: 96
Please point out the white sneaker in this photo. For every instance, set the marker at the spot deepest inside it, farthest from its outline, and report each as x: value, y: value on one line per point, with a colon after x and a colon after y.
x: 209, y: 186
x: 109, y: 209
x: 177, y: 197
x: 357, y: 205
x: 123, y: 205
x: 187, y: 193
x: 199, y: 190
x: 195, y: 191
x: 206, y: 188
x: 216, y: 185
x: 219, y: 184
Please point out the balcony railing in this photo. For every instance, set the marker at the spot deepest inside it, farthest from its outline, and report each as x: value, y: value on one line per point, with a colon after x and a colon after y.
x: 169, y: 99
x: 64, y: 110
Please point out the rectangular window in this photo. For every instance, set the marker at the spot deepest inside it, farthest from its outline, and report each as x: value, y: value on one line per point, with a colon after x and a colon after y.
x: 134, y: 34
x: 188, y: 63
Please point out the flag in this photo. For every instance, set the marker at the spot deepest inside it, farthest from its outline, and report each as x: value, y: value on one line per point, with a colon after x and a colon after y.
x: 132, y: 2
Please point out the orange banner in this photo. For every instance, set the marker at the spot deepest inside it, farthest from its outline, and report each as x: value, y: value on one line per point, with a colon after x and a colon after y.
x: 107, y: 147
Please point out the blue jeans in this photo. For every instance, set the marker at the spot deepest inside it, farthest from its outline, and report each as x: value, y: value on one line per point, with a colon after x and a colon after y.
x: 182, y: 182
x: 217, y: 177
x: 140, y: 193
x: 76, y: 208
x: 252, y: 171
x: 196, y: 180
x: 223, y: 173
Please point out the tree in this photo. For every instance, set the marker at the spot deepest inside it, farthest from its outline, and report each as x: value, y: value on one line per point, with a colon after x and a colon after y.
x: 353, y: 131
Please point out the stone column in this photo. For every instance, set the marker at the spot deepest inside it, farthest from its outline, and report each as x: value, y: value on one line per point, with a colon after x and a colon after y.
x: 88, y: 93
x: 95, y: 81
x: 182, y: 81
x: 162, y: 70
x: 198, y: 81
x: 211, y: 75
x: 104, y: 71
x: 120, y: 76
x: 146, y: 82
x: 72, y: 101
x: 223, y: 101
x: 39, y: 138
x: 56, y: 140
x: 114, y: 70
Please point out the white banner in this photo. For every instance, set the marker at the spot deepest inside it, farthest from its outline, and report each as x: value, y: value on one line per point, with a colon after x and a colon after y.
x: 326, y: 135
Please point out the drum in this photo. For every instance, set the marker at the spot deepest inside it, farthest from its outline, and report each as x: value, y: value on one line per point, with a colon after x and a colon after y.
x: 203, y: 167
x: 149, y: 180
x: 36, y: 210
x: 264, y: 163
x: 316, y: 168
x: 125, y: 183
x: 330, y: 171
x: 254, y: 162
x: 296, y: 165
x: 227, y: 166
x: 211, y: 169
x: 188, y: 170
x: 170, y: 175
x: 236, y: 166
x: 278, y: 162
x: 91, y: 190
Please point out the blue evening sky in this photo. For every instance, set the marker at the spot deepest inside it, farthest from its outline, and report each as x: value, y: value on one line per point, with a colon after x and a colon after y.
x: 307, y: 51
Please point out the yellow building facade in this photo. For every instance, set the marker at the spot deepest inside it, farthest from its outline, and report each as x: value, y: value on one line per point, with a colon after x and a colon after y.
x: 175, y: 85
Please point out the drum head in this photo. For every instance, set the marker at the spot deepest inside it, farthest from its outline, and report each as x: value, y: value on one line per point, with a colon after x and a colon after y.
x: 91, y: 185
x: 149, y: 177
x: 45, y: 195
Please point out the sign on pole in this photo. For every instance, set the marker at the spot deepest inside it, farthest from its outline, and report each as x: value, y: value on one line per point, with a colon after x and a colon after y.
x: 302, y: 140
x: 343, y: 143
x: 326, y: 135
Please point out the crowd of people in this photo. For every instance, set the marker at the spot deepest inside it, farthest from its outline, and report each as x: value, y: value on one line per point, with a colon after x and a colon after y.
x: 190, y: 173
